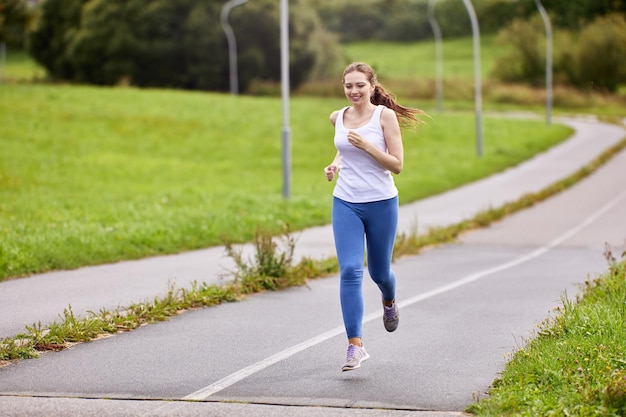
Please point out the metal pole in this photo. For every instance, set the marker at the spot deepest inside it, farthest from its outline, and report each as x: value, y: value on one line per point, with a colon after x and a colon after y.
x: 3, y: 61
x: 284, y: 76
x: 438, y: 55
x: 477, y: 77
x: 232, y: 43
x: 546, y: 22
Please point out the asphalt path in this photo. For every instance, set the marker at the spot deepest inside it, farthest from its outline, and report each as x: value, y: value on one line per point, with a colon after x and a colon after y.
x: 43, y: 297
x: 465, y: 307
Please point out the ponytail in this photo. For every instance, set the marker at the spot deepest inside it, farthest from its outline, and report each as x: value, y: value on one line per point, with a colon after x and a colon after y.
x: 407, y: 116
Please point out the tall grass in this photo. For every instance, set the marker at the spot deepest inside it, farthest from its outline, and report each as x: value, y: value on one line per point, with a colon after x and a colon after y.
x: 575, y: 365
x: 92, y: 175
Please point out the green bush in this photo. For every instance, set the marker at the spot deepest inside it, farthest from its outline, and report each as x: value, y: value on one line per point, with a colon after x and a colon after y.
x: 527, y: 61
x: 601, y: 59
x: 575, y: 14
x: 595, y: 58
x: 181, y: 44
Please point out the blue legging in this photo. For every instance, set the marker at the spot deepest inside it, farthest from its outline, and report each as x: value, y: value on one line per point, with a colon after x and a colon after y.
x: 353, y: 225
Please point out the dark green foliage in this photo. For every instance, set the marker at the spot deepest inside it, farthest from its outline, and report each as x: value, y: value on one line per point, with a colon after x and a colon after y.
x: 593, y: 59
x: 406, y: 20
x: 258, y: 40
x: 160, y: 43
x: 527, y: 62
x: 58, y: 23
x: 14, y: 19
x: 602, y: 54
x: 574, y: 14
x: 356, y: 21
x: 178, y: 44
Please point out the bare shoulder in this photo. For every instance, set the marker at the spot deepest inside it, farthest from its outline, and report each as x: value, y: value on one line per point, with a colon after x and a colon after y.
x: 388, y: 117
x: 333, y: 117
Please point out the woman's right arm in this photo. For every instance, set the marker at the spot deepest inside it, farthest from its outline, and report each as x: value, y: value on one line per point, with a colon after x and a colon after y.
x: 332, y: 169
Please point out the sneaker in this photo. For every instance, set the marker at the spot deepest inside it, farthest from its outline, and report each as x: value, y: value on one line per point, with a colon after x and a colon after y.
x: 355, y: 356
x: 391, y: 317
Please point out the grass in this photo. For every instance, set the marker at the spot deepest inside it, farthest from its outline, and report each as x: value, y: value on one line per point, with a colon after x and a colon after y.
x: 94, y: 175
x: 20, y: 67
x: 575, y: 364
x: 417, y: 59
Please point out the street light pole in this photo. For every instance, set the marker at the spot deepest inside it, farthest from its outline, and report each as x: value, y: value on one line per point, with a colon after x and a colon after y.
x: 546, y: 22
x: 3, y: 61
x: 232, y: 43
x: 478, y: 100
x: 284, y: 76
x: 438, y: 55
x: 477, y: 73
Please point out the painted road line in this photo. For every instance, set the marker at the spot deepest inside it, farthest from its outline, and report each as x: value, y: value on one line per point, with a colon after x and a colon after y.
x: 238, y: 376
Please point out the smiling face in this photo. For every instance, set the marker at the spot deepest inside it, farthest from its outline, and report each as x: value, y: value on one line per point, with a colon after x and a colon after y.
x: 357, y: 87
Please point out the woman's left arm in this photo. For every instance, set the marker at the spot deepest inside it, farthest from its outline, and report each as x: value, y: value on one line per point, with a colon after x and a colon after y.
x: 393, y: 159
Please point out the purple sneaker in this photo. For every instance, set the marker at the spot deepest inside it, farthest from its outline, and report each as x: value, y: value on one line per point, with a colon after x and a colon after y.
x: 391, y: 317
x: 355, y: 356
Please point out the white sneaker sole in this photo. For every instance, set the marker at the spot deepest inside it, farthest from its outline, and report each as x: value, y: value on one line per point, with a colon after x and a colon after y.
x: 352, y: 368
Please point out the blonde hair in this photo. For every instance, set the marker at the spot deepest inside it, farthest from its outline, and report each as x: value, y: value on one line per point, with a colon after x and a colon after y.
x: 407, y: 116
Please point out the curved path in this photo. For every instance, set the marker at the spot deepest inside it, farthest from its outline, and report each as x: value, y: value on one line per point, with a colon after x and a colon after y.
x: 464, y: 308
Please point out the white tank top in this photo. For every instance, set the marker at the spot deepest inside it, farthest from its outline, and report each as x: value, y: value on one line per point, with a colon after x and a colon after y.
x: 362, y: 179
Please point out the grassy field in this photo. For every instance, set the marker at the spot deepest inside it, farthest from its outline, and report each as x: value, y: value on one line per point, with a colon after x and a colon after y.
x: 417, y: 59
x: 91, y: 175
x: 21, y: 67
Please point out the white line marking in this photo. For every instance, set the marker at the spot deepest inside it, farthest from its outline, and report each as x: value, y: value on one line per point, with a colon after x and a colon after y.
x: 287, y: 353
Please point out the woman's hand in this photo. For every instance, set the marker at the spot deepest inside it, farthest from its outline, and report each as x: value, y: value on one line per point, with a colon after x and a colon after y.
x: 330, y: 171
x: 357, y: 140
x: 393, y: 158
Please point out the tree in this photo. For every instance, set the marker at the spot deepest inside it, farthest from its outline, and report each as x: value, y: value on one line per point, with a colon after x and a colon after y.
x: 57, y: 23
x: 526, y: 62
x: 575, y: 14
x: 177, y: 44
x: 594, y: 58
x: 14, y: 19
x: 601, y: 58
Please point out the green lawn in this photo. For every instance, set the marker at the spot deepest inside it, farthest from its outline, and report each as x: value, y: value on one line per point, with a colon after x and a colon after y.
x: 91, y: 175
x: 21, y: 67
x: 417, y: 59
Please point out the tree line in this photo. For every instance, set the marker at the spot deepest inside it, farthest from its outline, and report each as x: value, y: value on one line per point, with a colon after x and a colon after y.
x: 177, y: 44
x: 181, y: 43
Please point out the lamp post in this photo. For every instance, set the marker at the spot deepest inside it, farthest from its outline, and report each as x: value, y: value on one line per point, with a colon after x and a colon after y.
x: 232, y: 43
x: 3, y: 61
x: 284, y: 77
x: 438, y: 55
x: 477, y: 74
x: 548, y: 26
x: 478, y: 100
